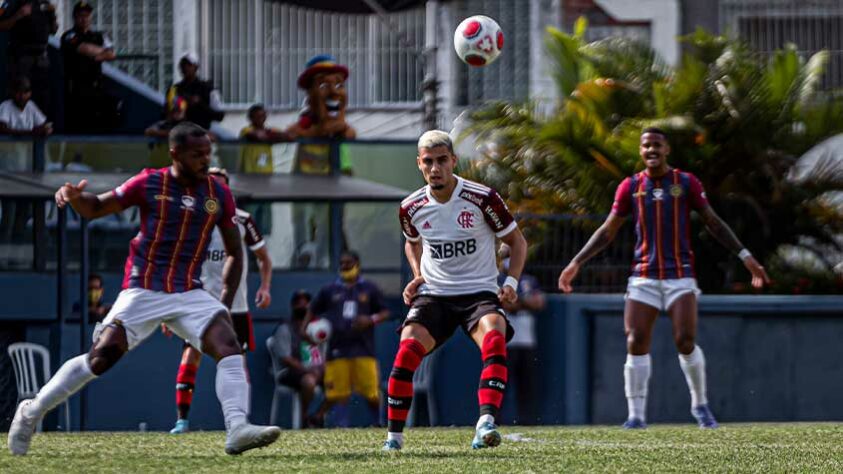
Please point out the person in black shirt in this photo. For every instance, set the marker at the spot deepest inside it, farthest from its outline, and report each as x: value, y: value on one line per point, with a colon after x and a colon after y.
x: 88, y: 108
x: 202, y: 99
x: 29, y: 23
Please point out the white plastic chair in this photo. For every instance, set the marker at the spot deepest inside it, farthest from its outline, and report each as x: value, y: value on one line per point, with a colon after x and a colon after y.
x: 282, y: 390
x: 423, y: 383
x: 24, y: 355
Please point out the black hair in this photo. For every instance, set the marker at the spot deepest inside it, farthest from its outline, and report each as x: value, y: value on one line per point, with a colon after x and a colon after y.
x: 95, y: 276
x: 20, y: 84
x: 351, y: 253
x: 254, y: 108
x: 184, y: 131
x: 298, y: 294
x: 655, y: 130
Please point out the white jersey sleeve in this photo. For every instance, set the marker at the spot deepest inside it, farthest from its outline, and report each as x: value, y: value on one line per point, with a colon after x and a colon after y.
x: 215, y: 260
x: 458, y: 237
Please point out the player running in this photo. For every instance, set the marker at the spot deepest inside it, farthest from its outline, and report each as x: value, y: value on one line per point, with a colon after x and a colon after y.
x: 179, y: 207
x: 660, y: 200
x: 451, y: 226
x: 212, y: 282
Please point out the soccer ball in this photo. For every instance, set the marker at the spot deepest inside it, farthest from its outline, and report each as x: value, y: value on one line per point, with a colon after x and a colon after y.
x: 478, y: 40
x: 319, y: 330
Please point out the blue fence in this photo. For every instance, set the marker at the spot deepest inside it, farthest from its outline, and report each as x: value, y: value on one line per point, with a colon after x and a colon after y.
x: 770, y: 358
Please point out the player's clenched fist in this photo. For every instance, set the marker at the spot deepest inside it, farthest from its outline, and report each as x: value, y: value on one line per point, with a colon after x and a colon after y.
x: 507, y: 295
x: 68, y: 193
x: 567, y: 276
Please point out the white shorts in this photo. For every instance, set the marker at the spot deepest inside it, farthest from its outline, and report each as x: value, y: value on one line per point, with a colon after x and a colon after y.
x: 142, y: 311
x: 660, y: 294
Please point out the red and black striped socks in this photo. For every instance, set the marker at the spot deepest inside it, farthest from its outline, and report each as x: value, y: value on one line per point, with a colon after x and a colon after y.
x: 185, y: 382
x: 400, y: 388
x: 493, y: 377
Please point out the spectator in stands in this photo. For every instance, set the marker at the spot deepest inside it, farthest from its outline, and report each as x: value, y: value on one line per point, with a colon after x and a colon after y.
x: 353, y: 306
x: 176, y: 110
x: 97, y: 309
x: 20, y: 115
x: 30, y: 24
x: 203, y: 101
x: 521, y: 350
x: 258, y: 158
x: 160, y: 130
x: 88, y: 107
x: 302, y: 364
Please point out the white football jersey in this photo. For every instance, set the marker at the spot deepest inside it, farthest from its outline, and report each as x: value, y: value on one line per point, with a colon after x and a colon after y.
x: 215, y: 260
x: 458, y: 237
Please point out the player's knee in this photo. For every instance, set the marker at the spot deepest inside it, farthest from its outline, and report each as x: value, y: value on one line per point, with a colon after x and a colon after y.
x: 104, y: 355
x: 636, y: 339
x: 684, y: 343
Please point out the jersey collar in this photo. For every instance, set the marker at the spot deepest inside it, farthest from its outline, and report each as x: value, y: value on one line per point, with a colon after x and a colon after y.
x: 454, y: 194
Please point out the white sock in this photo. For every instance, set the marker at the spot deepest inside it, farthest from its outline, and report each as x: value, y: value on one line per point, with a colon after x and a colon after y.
x: 395, y: 436
x: 693, y: 365
x: 233, y: 390
x: 71, y: 376
x: 636, y: 374
x: 484, y: 419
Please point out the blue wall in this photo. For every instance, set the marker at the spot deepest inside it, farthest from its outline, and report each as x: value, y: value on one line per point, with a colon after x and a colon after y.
x: 769, y: 358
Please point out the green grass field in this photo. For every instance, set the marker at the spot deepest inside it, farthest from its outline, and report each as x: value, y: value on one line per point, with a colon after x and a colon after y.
x: 814, y: 447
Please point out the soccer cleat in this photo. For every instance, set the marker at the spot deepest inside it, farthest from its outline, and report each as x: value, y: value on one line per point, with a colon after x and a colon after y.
x: 182, y: 426
x: 704, y: 417
x: 486, y: 436
x: 634, y: 424
x: 21, y: 430
x: 391, y: 445
x: 245, y: 436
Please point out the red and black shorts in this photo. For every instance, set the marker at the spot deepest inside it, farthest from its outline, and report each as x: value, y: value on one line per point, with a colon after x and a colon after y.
x: 442, y: 315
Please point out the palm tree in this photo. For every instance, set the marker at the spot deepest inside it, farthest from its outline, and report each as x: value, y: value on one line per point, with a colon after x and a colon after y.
x: 737, y: 119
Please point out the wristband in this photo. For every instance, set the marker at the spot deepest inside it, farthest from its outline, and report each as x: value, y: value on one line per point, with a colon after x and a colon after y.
x: 511, y: 282
x: 744, y: 254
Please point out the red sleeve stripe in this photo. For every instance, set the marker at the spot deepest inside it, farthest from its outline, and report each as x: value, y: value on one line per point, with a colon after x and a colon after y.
x: 159, y: 229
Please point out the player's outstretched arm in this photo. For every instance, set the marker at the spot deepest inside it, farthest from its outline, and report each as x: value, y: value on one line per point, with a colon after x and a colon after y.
x: 600, y: 239
x: 87, y: 205
x: 233, y: 266
x: 727, y: 238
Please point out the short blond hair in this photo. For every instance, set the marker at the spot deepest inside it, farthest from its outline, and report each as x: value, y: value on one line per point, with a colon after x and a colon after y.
x: 435, y: 138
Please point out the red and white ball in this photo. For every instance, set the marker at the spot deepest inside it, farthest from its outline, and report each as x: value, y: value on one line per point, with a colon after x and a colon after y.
x: 478, y: 40
x: 319, y: 330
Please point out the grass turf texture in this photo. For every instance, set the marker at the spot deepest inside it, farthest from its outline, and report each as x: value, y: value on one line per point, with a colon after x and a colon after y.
x: 815, y: 447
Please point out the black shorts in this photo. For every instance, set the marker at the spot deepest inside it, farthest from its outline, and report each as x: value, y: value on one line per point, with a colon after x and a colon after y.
x: 244, y: 330
x: 442, y: 315
x: 291, y: 377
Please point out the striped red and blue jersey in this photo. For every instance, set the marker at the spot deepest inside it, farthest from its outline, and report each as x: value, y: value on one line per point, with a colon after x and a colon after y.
x: 661, y: 209
x: 176, y: 228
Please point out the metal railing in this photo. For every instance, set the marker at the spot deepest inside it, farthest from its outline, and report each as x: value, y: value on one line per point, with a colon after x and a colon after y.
x: 255, y: 50
x: 768, y: 25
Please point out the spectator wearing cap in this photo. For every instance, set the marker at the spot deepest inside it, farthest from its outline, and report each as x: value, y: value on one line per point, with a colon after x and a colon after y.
x: 257, y: 157
x: 30, y: 24
x: 88, y: 108
x: 301, y: 363
x: 203, y: 101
